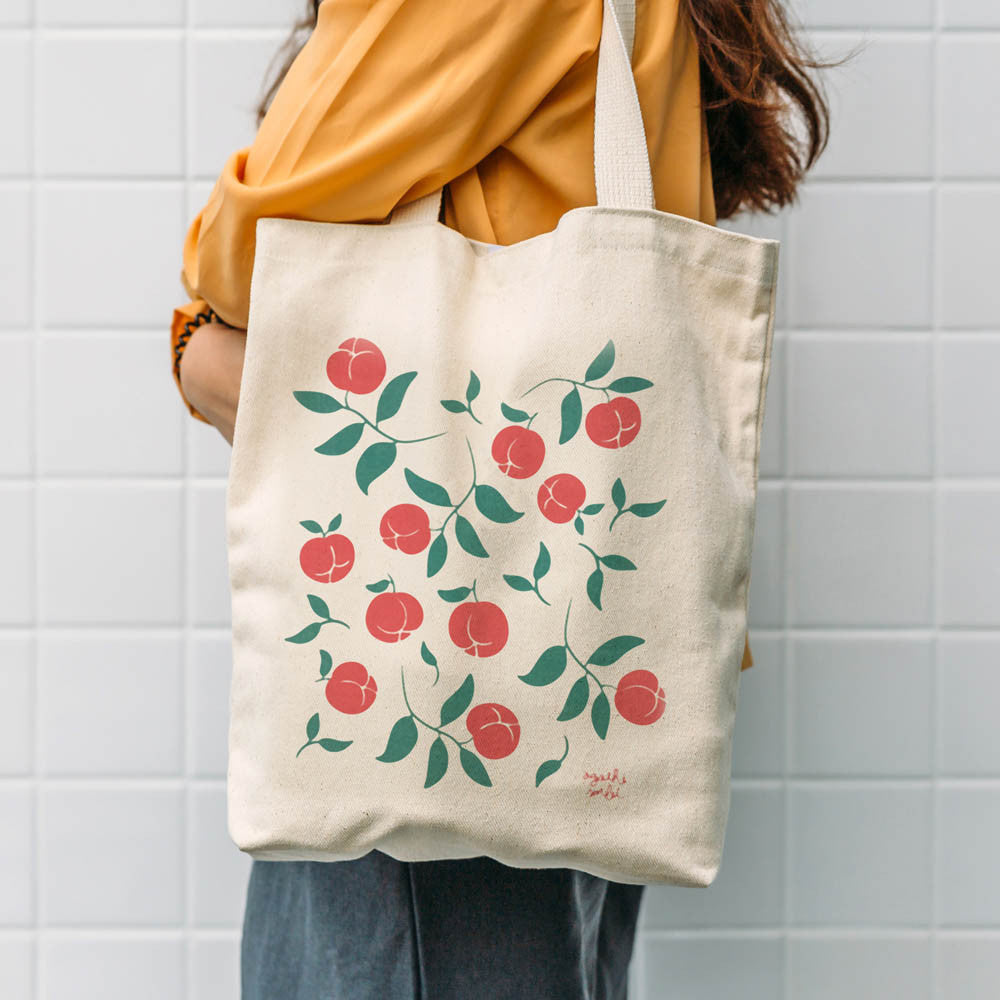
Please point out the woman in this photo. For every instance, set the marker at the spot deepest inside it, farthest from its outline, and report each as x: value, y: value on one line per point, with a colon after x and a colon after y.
x: 384, y: 102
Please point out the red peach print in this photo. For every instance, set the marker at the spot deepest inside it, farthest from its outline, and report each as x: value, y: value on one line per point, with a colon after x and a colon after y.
x: 495, y: 730
x: 519, y: 452
x: 356, y: 366
x: 327, y: 559
x: 406, y: 527
x: 614, y: 424
x: 351, y: 688
x: 393, y: 616
x: 479, y: 627
x: 639, y: 697
x: 560, y: 497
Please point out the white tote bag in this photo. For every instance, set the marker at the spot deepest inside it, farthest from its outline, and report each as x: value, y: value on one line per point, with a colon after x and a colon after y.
x: 490, y: 516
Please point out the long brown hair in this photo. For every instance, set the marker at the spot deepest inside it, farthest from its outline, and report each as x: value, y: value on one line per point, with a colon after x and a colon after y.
x: 755, y: 79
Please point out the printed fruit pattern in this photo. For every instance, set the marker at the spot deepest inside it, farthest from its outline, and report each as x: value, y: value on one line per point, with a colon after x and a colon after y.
x: 479, y: 628
x: 359, y: 366
x: 613, y: 423
x: 328, y: 558
x: 493, y: 730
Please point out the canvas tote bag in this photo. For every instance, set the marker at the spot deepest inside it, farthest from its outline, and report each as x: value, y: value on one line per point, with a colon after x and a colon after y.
x: 490, y: 518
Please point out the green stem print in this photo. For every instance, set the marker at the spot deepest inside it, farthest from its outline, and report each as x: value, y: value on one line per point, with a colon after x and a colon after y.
x: 378, y: 457
x: 595, y: 582
x: 471, y: 392
x: 612, y: 423
x: 312, y: 731
x: 322, y: 610
x: 523, y: 584
x: 488, y: 500
x: 551, y: 665
x: 404, y: 735
x: 431, y: 660
x: 638, y: 509
x: 551, y: 766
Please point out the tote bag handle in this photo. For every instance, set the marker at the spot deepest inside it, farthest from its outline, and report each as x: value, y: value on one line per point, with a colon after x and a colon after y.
x: 622, y: 172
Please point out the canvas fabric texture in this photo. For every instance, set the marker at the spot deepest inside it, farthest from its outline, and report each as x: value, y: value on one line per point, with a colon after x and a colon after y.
x: 490, y: 519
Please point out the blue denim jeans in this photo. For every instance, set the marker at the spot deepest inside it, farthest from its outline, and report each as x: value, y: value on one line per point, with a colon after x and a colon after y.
x: 470, y: 929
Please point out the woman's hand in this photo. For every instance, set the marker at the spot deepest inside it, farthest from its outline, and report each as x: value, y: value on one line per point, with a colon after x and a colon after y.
x: 210, y: 372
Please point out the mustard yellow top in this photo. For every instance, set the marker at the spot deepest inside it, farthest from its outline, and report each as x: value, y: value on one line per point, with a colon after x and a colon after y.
x: 390, y: 99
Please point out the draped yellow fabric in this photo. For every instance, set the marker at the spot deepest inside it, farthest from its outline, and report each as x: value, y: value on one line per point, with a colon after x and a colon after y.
x: 390, y: 99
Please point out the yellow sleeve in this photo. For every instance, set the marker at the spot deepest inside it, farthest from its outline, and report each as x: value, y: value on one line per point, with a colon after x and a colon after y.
x: 388, y: 100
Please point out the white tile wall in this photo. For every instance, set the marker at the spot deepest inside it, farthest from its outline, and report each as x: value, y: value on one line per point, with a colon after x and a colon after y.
x: 860, y: 859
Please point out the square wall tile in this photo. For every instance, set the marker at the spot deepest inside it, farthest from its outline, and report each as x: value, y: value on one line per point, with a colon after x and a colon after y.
x: 759, y: 739
x: 111, y: 554
x: 267, y: 13
x: 220, y: 869
x: 17, y: 967
x: 861, y: 256
x: 17, y: 543
x: 17, y: 856
x: 861, y: 706
x: 835, y: 968
x: 228, y: 76
x: 16, y: 401
x: 108, y: 406
x: 210, y: 452
x: 968, y: 693
x: 80, y: 968
x: 969, y: 563
x: 858, y: 13
x: 968, y: 967
x: 132, y: 843
x: 110, y: 705
x: 767, y: 563
x: 968, y: 406
x: 969, y: 74
x: 209, y: 581
x: 129, y: 274
x: 967, y: 256
x: 860, y: 556
x: 749, y: 888
x: 860, y: 405
x: 209, y: 684
x: 136, y: 84
x: 710, y: 968
x: 15, y: 256
x: 114, y: 13
x: 880, y: 101
x: 968, y: 865
x: 970, y: 14
x: 15, y: 78
x: 860, y: 856
x: 17, y: 706
x: 215, y: 968
x: 15, y: 12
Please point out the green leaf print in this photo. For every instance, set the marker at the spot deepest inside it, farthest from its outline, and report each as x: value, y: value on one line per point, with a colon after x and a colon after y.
x: 613, y: 650
x: 307, y: 634
x: 576, y: 700
x: 468, y: 538
x: 334, y: 745
x: 455, y: 595
x: 600, y: 715
x: 572, y: 413
x: 542, y: 563
x: 647, y: 509
x: 617, y: 562
x: 316, y: 529
x: 457, y: 703
x: 427, y: 656
x: 318, y: 402
x: 548, y: 668
x: 618, y: 493
x: 391, y: 398
x: 343, y: 441
x: 518, y: 582
x: 426, y: 490
x: 629, y: 384
x: 550, y: 766
x: 514, y: 416
x: 375, y: 460
x: 325, y: 663
x: 491, y: 504
x: 402, y: 740
x: 473, y: 767
x: 312, y: 727
x: 472, y: 390
x: 437, y: 554
x: 319, y: 606
x: 601, y: 365
x: 335, y: 523
x: 454, y: 405
x: 595, y: 584
x: 437, y: 762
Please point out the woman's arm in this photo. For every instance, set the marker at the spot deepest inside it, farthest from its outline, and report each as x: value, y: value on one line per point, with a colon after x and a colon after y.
x: 210, y: 373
